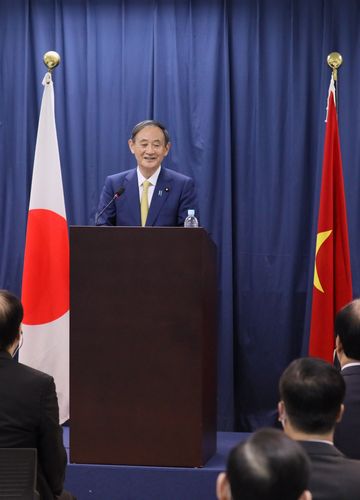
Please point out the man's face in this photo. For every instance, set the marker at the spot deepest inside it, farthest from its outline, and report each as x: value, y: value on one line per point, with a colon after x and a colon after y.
x: 149, y: 149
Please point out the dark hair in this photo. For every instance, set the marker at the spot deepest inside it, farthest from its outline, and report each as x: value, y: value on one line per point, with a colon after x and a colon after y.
x: 11, y: 316
x: 150, y: 123
x: 347, y: 327
x: 269, y: 465
x: 313, y: 391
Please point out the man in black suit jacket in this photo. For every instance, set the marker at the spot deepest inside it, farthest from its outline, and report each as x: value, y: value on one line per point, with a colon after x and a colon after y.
x: 347, y: 330
x: 267, y: 466
x: 312, y: 392
x: 29, y: 412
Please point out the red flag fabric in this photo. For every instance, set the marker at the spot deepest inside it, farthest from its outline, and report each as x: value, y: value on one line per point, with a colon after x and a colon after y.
x: 332, y: 274
x: 45, y: 287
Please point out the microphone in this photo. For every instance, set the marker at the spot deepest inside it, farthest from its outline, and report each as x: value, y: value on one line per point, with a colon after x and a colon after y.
x: 118, y: 193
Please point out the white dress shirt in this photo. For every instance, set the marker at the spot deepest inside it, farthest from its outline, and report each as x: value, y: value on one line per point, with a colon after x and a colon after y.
x: 153, y: 180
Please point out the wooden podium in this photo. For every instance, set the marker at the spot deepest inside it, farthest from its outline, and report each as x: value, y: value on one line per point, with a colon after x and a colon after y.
x: 142, y: 346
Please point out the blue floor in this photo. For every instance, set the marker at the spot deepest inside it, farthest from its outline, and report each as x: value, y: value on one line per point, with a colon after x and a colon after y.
x: 120, y: 482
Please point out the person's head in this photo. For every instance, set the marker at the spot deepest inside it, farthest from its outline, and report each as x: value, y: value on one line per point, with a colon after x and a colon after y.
x: 311, y: 392
x: 347, y: 331
x: 11, y: 316
x: 269, y: 465
x: 150, y: 143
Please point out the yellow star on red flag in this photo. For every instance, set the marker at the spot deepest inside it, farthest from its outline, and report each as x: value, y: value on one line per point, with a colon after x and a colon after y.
x: 320, y: 240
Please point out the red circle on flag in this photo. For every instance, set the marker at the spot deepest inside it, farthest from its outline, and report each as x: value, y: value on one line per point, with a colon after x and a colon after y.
x: 45, y: 288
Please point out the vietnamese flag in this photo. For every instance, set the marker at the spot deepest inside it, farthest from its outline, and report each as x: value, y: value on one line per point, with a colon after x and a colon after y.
x: 332, y: 275
x: 45, y: 287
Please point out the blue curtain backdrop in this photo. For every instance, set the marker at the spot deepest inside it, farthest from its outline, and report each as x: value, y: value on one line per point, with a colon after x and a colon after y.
x: 242, y: 88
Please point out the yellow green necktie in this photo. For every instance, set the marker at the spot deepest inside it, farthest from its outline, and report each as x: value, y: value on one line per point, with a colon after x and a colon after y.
x: 144, y: 204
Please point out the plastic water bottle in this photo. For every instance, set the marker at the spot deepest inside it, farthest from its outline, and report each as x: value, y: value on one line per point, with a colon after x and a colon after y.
x: 191, y: 220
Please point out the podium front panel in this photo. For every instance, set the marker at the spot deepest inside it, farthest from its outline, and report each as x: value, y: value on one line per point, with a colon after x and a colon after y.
x: 142, y: 346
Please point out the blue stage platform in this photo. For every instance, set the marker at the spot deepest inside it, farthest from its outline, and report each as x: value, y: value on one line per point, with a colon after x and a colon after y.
x: 121, y: 482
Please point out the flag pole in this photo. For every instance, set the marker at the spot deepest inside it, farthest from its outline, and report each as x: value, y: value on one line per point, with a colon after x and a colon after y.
x: 334, y: 60
x: 51, y: 60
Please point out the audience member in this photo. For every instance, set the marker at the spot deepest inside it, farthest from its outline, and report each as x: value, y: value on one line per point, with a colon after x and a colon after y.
x: 267, y: 466
x: 29, y: 412
x: 312, y: 392
x: 347, y: 331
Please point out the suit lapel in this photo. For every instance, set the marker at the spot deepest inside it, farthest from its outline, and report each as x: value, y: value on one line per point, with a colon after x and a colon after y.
x: 131, y: 197
x: 161, y: 193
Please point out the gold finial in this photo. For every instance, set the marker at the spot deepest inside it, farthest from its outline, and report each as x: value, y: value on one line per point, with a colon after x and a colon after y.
x: 51, y: 60
x: 334, y: 60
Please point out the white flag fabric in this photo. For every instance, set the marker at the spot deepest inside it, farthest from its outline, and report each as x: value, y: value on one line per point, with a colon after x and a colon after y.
x: 45, y: 287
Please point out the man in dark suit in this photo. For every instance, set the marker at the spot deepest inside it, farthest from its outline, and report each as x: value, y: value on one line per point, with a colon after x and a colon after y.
x: 347, y: 330
x: 267, y: 466
x: 312, y: 392
x: 29, y: 412
x: 149, y: 195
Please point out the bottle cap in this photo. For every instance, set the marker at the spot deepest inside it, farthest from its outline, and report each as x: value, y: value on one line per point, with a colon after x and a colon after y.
x: 191, y: 212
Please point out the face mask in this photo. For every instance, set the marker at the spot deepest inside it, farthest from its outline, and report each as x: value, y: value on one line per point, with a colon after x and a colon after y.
x: 18, y: 347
